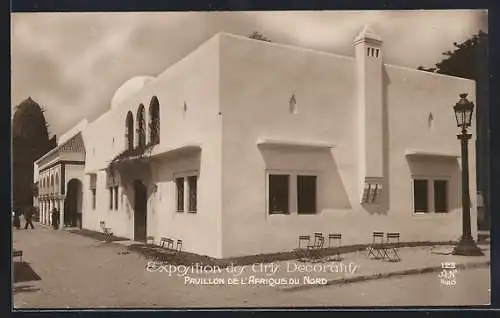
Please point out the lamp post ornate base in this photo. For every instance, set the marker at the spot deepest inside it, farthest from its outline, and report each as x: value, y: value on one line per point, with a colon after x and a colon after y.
x: 467, y: 247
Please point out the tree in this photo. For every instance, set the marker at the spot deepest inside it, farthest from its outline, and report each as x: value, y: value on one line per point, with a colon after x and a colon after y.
x: 258, y: 36
x: 469, y: 60
x: 30, y: 141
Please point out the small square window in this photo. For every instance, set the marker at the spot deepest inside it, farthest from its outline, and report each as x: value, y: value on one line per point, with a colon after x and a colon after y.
x: 179, y: 183
x: 110, y: 198
x: 306, y: 194
x: 93, y: 198
x: 440, y: 196
x: 420, y: 195
x: 193, y: 193
x: 116, y: 197
x: 279, y: 194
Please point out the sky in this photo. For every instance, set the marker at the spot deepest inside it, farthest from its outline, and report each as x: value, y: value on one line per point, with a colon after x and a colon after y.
x: 72, y: 63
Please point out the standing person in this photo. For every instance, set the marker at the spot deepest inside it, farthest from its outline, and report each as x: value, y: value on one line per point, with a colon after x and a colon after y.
x: 17, y: 220
x: 28, y: 215
x: 55, y: 218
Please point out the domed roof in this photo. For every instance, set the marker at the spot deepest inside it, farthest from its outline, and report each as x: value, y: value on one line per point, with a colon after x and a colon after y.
x: 129, y: 88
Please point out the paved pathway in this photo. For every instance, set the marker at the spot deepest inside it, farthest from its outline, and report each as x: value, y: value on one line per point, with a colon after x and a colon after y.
x: 79, y: 272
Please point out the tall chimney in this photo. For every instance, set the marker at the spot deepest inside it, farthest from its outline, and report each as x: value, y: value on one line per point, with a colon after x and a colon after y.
x: 368, y: 56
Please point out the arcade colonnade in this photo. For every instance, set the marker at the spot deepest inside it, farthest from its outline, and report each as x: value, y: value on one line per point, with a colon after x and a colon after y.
x: 46, y: 204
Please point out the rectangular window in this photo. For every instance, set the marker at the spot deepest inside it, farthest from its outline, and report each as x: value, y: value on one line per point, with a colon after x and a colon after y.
x: 179, y: 183
x: 93, y: 199
x: 193, y: 192
x: 420, y: 196
x: 116, y: 197
x: 440, y: 196
x: 110, y: 198
x: 306, y: 194
x: 279, y: 194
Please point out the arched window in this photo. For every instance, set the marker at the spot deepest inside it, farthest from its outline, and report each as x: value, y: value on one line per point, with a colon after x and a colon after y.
x: 141, y: 126
x: 129, y: 126
x: 154, y: 121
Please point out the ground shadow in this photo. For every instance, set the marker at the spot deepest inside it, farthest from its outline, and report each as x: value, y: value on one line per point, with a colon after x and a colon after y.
x: 24, y: 273
x: 98, y: 235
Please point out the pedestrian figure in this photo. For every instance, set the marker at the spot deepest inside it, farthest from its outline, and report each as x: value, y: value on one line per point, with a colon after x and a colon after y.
x: 28, y: 214
x: 55, y: 218
x: 17, y: 221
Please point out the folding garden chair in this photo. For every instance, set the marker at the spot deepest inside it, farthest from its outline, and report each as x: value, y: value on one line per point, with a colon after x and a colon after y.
x: 301, y: 251
x: 315, y: 250
x: 391, y: 247
x: 335, y: 241
x: 376, y: 249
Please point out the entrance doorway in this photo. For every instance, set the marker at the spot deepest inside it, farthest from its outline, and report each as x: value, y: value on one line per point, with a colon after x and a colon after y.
x: 140, y: 211
x: 73, y: 204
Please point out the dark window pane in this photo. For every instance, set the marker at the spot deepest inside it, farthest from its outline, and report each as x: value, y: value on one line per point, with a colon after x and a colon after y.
x: 441, y: 195
x: 306, y: 194
x: 278, y: 194
x: 116, y: 198
x: 110, y: 198
x: 180, y: 194
x: 93, y: 199
x: 420, y: 196
x: 192, y: 193
x: 130, y: 131
x: 154, y: 124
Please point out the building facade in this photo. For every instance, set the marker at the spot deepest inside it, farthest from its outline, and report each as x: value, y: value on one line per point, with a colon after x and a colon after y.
x: 244, y: 145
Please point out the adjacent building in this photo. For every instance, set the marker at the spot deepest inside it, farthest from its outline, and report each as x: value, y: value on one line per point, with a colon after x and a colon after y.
x: 244, y: 145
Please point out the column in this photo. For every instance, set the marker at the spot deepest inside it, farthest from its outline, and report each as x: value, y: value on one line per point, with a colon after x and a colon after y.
x: 61, y: 215
x: 51, y: 206
x: 47, y: 212
x: 42, y: 211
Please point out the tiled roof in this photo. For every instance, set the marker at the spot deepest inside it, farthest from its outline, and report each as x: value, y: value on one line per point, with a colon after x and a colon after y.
x: 74, y: 144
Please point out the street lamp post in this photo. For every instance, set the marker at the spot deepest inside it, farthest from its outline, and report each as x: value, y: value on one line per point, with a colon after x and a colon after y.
x: 463, y: 113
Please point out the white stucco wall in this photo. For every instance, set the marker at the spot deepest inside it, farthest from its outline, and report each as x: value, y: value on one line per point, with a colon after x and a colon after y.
x: 192, y: 81
x: 257, y: 80
x: 232, y: 92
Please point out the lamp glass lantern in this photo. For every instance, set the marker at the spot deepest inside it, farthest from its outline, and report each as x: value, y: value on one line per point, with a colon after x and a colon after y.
x: 463, y: 112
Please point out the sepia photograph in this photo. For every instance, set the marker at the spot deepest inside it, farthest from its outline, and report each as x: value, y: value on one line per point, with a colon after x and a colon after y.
x: 250, y: 159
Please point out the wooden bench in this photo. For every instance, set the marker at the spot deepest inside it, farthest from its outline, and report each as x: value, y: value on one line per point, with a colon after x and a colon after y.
x: 18, y: 253
x: 166, y: 243
x: 107, y: 231
x: 170, y: 251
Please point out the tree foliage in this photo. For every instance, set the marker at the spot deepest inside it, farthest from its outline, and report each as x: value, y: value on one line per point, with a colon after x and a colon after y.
x: 258, y: 36
x: 468, y: 60
x: 30, y: 141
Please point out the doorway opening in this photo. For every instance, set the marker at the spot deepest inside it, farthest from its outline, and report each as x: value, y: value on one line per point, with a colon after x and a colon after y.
x: 140, y: 211
x: 73, y: 204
